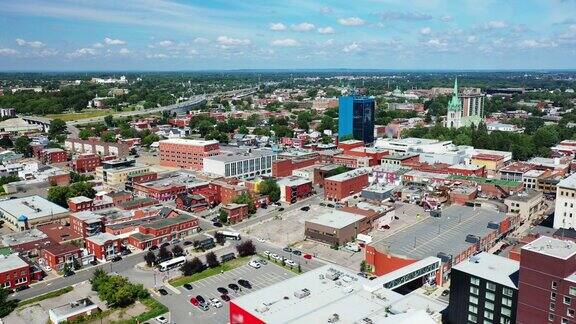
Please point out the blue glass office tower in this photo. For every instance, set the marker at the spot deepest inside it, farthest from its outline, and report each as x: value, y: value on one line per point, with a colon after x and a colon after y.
x: 356, y: 118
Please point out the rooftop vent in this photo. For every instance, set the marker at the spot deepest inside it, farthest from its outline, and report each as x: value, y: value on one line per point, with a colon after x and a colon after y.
x: 302, y: 293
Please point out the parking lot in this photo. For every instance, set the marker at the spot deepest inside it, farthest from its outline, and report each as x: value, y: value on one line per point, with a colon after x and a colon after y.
x: 184, y: 312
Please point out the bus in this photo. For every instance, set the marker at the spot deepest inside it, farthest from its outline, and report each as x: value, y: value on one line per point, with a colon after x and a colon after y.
x: 171, y: 264
x: 231, y: 235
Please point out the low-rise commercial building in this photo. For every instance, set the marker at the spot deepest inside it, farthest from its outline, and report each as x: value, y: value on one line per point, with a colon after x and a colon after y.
x: 57, y: 256
x: 73, y: 310
x: 53, y: 155
x: 14, y: 272
x: 345, y: 184
x: 94, y: 145
x: 164, y: 230
x: 28, y: 212
x: 246, y: 164
x: 528, y: 204
x: 116, y: 173
x: 103, y: 246
x: 293, y: 189
x: 236, y: 212
x: 87, y: 162
x: 334, y: 228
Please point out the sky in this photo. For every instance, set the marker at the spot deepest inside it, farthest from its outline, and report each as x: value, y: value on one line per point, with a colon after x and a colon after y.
x: 151, y: 35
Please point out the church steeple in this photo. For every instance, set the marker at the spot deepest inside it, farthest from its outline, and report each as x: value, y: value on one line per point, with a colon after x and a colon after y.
x: 454, y: 103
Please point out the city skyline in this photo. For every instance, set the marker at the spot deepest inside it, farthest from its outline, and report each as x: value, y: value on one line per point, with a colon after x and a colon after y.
x: 225, y: 35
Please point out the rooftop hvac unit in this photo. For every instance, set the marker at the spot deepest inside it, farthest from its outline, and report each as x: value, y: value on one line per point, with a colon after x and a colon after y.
x: 332, y: 275
x: 302, y: 293
x: 493, y: 225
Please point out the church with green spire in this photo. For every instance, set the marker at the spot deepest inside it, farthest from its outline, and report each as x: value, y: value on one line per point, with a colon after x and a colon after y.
x: 456, y: 117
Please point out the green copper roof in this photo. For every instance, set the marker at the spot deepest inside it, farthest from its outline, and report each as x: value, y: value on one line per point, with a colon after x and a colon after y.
x: 454, y: 103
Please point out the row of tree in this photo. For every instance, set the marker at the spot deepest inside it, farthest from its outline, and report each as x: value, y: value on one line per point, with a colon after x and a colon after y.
x: 116, y: 291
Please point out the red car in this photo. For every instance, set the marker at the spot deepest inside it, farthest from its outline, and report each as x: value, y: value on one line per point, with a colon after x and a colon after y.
x: 307, y: 256
x: 194, y: 301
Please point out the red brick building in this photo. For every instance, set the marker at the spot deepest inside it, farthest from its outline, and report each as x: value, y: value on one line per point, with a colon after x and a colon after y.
x: 160, y: 191
x: 194, y: 203
x: 227, y: 190
x: 86, y: 162
x: 236, y: 212
x: 546, y: 286
x: 53, y: 155
x: 14, y: 272
x: 345, y: 184
x: 184, y: 153
x: 58, y: 255
x: 80, y: 203
x: 60, y: 178
x: 284, y: 167
x: 350, y: 144
x: 86, y: 223
x: 103, y: 246
x: 293, y: 189
x: 144, y: 177
x: 165, y: 230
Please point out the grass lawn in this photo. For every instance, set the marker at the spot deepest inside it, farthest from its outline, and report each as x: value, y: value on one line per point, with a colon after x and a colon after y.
x: 82, y: 115
x: 232, y: 264
x: 155, y: 309
x: 51, y: 294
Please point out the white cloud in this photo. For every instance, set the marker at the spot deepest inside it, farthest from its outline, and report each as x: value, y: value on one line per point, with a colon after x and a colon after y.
x: 354, y: 47
x: 227, y: 41
x: 532, y: 43
x: 287, y: 42
x: 82, y: 52
x: 111, y: 41
x: 446, y: 18
x: 426, y: 31
x: 472, y: 39
x: 329, y: 42
x: 437, y: 43
x: 166, y: 43
x: 8, y: 51
x: 496, y: 24
x: 351, y: 21
x: 156, y: 56
x: 326, y: 30
x: 34, y: 44
x: 192, y: 52
x: 201, y: 40
x: 326, y: 10
x: 97, y: 45
x: 277, y: 26
x: 303, y: 27
x: 124, y: 51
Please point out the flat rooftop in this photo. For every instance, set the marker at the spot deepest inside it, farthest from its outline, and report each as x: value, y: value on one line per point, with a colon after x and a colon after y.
x: 32, y: 207
x: 183, y: 141
x: 102, y: 238
x: 336, y: 219
x: 568, y: 183
x: 492, y: 267
x: 525, y: 196
x: 446, y: 234
x: 17, y: 238
x: 552, y: 247
x: 330, y: 290
x: 169, y: 221
x: 11, y: 262
x: 292, y: 181
x: 239, y: 156
x: 517, y: 167
x: 349, y: 174
x: 481, y: 180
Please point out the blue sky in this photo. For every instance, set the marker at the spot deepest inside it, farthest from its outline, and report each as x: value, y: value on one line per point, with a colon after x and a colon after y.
x: 225, y: 34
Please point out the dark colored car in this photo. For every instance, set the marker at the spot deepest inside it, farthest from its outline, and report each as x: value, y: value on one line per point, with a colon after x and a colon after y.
x: 446, y: 292
x: 68, y: 273
x: 116, y: 258
x: 200, y: 299
x: 153, y: 247
x: 234, y: 287
x: 330, y: 205
x: 277, y: 204
x: 225, y: 298
x: 214, y: 220
x: 222, y: 290
x: 94, y: 262
x: 281, y: 209
x: 126, y: 252
x: 217, y: 224
x: 188, y: 286
x: 296, y: 252
x: 245, y: 283
x: 322, y: 204
x: 287, y: 249
x: 362, y: 274
x: 162, y: 291
x: 305, y: 208
x: 21, y: 288
x: 186, y: 243
x: 165, y: 244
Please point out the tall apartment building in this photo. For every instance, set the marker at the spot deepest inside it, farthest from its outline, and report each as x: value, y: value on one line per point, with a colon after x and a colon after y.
x: 356, y: 118
x: 547, y: 284
x: 94, y: 145
x: 472, y: 101
x: 484, y: 289
x: 186, y: 153
x: 565, y: 212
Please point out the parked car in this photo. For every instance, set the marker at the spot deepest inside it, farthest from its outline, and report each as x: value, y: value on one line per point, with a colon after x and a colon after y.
x: 68, y: 273
x: 93, y: 262
x: 322, y: 204
x: 186, y: 243
x: 254, y: 264
x: 307, y: 256
x: 446, y: 292
x: 194, y: 301
x: 245, y: 283
x: 153, y: 248
x: 20, y: 288
x: 203, y: 306
x: 261, y: 240
x: 48, y: 269
x: 126, y: 252
x: 225, y: 298
x: 214, y: 219
x: 362, y: 274
x: 165, y: 244
x: 266, y: 253
x: 175, y: 241
x: 330, y: 205
x: 215, y: 303
x: 287, y: 249
x: 161, y: 319
x: 277, y: 204
x: 200, y: 299
x: 234, y: 287
x: 262, y: 262
x: 296, y: 252
x: 281, y: 209
x: 188, y: 286
x: 275, y: 256
x: 217, y: 224
x: 291, y: 263
x: 305, y: 208
x: 222, y: 290
x: 162, y: 291
x: 116, y: 258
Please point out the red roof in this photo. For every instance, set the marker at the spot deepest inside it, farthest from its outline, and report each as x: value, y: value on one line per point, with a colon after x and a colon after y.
x: 58, y: 249
x: 489, y: 157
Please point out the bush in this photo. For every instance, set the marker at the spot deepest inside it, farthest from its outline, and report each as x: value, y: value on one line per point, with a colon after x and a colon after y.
x: 246, y: 248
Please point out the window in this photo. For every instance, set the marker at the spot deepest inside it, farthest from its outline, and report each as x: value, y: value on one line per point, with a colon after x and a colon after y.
x: 505, y: 311
x: 572, y: 291
x: 488, y: 314
x: 473, y: 300
x: 474, y: 290
x: 487, y: 322
x: 554, y: 285
x: 475, y: 281
x: 552, y: 296
x: 489, y: 305
x: 567, y: 300
x: 570, y: 312
x: 552, y: 306
x: 490, y: 295
x: 506, y: 301
x: 472, y: 318
x: 564, y: 321
x: 508, y: 291
x: 490, y: 286
x: 473, y: 309
x: 504, y: 320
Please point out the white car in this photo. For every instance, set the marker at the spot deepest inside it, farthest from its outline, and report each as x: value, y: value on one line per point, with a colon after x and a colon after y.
x: 275, y: 256
x: 161, y: 319
x: 261, y: 240
x: 254, y: 264
x: 266, y: 253
x: 291, y: 263
x: 47, y: 269
x: 215, y: 303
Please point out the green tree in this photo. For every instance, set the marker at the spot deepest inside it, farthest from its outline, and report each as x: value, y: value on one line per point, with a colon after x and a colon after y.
x: 245, y: 198
x: 304, y: 119
x: 212, y: 260
x: 109, y: 120
x: 57, y: 127
x: 150, y: 258
x: 85, y: 133
x: 149, y: 139
x: 204, y: 127
x: 223, y: 216
x: 6, y: 306
x: 243, y: 130
x: 22, y: 146
x: 217, y: 135
x: 270, y: 187
x: 108, y: 137
x: 6, y: 142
